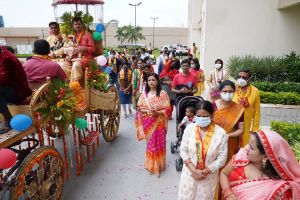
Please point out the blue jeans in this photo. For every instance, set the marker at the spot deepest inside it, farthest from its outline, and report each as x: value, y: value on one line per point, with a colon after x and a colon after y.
x: 7, y: 95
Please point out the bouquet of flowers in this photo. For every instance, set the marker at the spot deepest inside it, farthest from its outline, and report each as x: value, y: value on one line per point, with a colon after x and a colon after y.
x: 60, y: 103
x: 96, y: 79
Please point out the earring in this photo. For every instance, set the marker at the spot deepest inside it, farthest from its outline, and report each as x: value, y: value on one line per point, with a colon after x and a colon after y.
x: 264, y: 161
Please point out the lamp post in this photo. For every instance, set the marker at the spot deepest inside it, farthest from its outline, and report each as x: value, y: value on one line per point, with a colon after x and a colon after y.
x: 153, y: 18
x: 43, y: 33
x: 135, y: 5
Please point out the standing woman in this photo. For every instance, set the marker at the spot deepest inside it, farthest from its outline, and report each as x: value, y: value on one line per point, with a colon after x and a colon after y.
x: 230, y: 116
x: 151, y: 124
x: 136, y: 78
x: 204, y: 151
x: 125, y: 92
x: 166, y: 78
x: 216, y: 76
x: 199, y: 74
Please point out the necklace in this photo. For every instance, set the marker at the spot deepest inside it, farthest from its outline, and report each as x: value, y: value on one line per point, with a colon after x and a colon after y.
x: 243, y: 96
x: 220, y: 77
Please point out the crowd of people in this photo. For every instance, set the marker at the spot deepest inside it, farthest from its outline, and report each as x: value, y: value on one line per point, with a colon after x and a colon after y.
x: 223, y: 130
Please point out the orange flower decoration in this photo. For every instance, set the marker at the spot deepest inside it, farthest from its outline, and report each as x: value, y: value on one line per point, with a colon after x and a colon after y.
x: 59, y: 104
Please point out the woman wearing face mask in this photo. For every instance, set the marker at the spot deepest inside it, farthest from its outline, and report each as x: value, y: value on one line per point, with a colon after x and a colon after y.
x: 204, y: 151
x: 216, y: 76
x: 199, y: 74
x: 229, y: 115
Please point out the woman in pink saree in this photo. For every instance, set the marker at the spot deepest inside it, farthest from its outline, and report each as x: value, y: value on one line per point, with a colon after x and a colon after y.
x: 151, y: 123
x: 265, y: 169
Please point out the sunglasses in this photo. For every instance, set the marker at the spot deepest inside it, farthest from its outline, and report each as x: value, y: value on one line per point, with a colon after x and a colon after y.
x: 243, y: 77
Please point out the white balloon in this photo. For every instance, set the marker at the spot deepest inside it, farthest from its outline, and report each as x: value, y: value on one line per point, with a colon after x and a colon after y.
x: 101, y: 60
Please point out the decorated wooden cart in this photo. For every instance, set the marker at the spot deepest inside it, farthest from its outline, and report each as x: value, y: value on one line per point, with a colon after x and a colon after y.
x: 40, y: 170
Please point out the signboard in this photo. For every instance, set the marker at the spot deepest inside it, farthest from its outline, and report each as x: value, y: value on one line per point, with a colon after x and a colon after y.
x: 3, y: 41
x: 24, y: 49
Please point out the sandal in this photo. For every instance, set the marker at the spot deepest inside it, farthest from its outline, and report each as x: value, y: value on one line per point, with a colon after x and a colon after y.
x: 4, y: 128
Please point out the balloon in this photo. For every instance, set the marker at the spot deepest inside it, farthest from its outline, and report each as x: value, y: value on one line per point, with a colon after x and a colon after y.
x: 8, y: 158
x: 100, y: 28
x: 80, y: 123
x: 97, y: 36
x: 101, y: 60
x: 105, y: 53
x: 21, y: 122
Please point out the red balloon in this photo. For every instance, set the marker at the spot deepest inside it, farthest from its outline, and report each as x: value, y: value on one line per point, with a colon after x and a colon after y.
x: 8, y: 158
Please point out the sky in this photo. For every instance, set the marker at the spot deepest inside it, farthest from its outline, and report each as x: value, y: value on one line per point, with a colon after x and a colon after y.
x: 38, y: 13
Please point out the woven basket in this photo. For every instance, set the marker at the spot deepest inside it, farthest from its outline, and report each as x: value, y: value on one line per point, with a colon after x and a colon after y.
x: 19, y: 109
x: 102, y: 100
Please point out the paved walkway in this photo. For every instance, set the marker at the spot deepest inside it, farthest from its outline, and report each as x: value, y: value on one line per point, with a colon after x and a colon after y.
x: 117, y: 173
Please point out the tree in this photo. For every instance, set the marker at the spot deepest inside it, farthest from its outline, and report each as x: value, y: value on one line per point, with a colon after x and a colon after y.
x: 66, y: 21
x: 120, y: 34
x: 129, y: 33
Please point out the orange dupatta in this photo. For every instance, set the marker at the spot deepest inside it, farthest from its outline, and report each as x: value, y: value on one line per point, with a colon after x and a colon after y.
x: 228, y: 117
x: 203, y: 144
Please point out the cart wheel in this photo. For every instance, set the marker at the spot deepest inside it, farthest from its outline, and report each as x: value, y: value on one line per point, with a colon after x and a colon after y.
x: 179, y: 164
x: 41, y: 176
x: 172, y: 147
x: 110, y: 119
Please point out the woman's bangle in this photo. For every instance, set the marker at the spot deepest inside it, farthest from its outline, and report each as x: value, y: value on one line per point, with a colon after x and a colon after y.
x: 187, y: 163
x: 226, y: 192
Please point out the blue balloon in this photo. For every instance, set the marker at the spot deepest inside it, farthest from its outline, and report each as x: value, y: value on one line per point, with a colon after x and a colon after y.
x: 100, y: 28
x: 21, y: 122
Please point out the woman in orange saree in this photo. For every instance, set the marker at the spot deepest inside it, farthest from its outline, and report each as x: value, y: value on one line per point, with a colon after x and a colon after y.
x: 230, y: 116
x: 151, y: 124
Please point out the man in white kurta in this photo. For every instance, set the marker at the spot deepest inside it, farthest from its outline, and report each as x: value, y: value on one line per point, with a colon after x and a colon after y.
x: 189, y: 188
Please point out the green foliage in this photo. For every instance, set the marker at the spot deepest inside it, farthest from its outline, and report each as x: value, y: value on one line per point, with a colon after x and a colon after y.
x: 292, y: 65
x: 296, y: 149
x: 96, y: 79
x: 286, y: 98
x: 277, y: 87
x: 269, y: 68
x: 129, y: 33
x: 59, y: 103
x: 23, y: 55
x: 290, y: 132
x: 66, y: 26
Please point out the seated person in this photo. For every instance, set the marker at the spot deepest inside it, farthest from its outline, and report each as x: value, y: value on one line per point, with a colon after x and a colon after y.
x: 39, y: 67
x: 265, y: 169
x: 13, y: 85
x: 83, y: 48
x: 188, y: 119
x: 184, y: 83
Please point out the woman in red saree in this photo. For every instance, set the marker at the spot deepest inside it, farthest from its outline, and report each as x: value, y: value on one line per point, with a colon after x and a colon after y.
x: 151, y: 124
x: 265, y: 169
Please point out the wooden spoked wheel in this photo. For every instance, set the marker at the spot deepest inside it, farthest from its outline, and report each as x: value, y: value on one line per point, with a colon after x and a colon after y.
x: 110, y: 119
x: 40, y: 177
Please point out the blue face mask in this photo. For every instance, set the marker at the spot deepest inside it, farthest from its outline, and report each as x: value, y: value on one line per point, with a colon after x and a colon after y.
x: 203, y: 121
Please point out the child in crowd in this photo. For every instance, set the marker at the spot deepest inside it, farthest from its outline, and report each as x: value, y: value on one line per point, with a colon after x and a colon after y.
x: 189, y: 117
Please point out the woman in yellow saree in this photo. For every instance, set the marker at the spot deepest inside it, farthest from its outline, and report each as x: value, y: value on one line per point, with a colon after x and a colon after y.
x: 151, y: 123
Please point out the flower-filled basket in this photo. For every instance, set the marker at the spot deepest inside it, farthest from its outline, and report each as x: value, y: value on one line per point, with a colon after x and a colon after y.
x: 100, y: 98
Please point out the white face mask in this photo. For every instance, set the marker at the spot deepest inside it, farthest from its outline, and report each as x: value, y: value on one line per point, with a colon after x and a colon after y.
x: 203, y: 121
x: 218, y: 66
x: 241, y: 82
x: 170, y: 56
x: 226, y: 96
x: 193, y: 66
